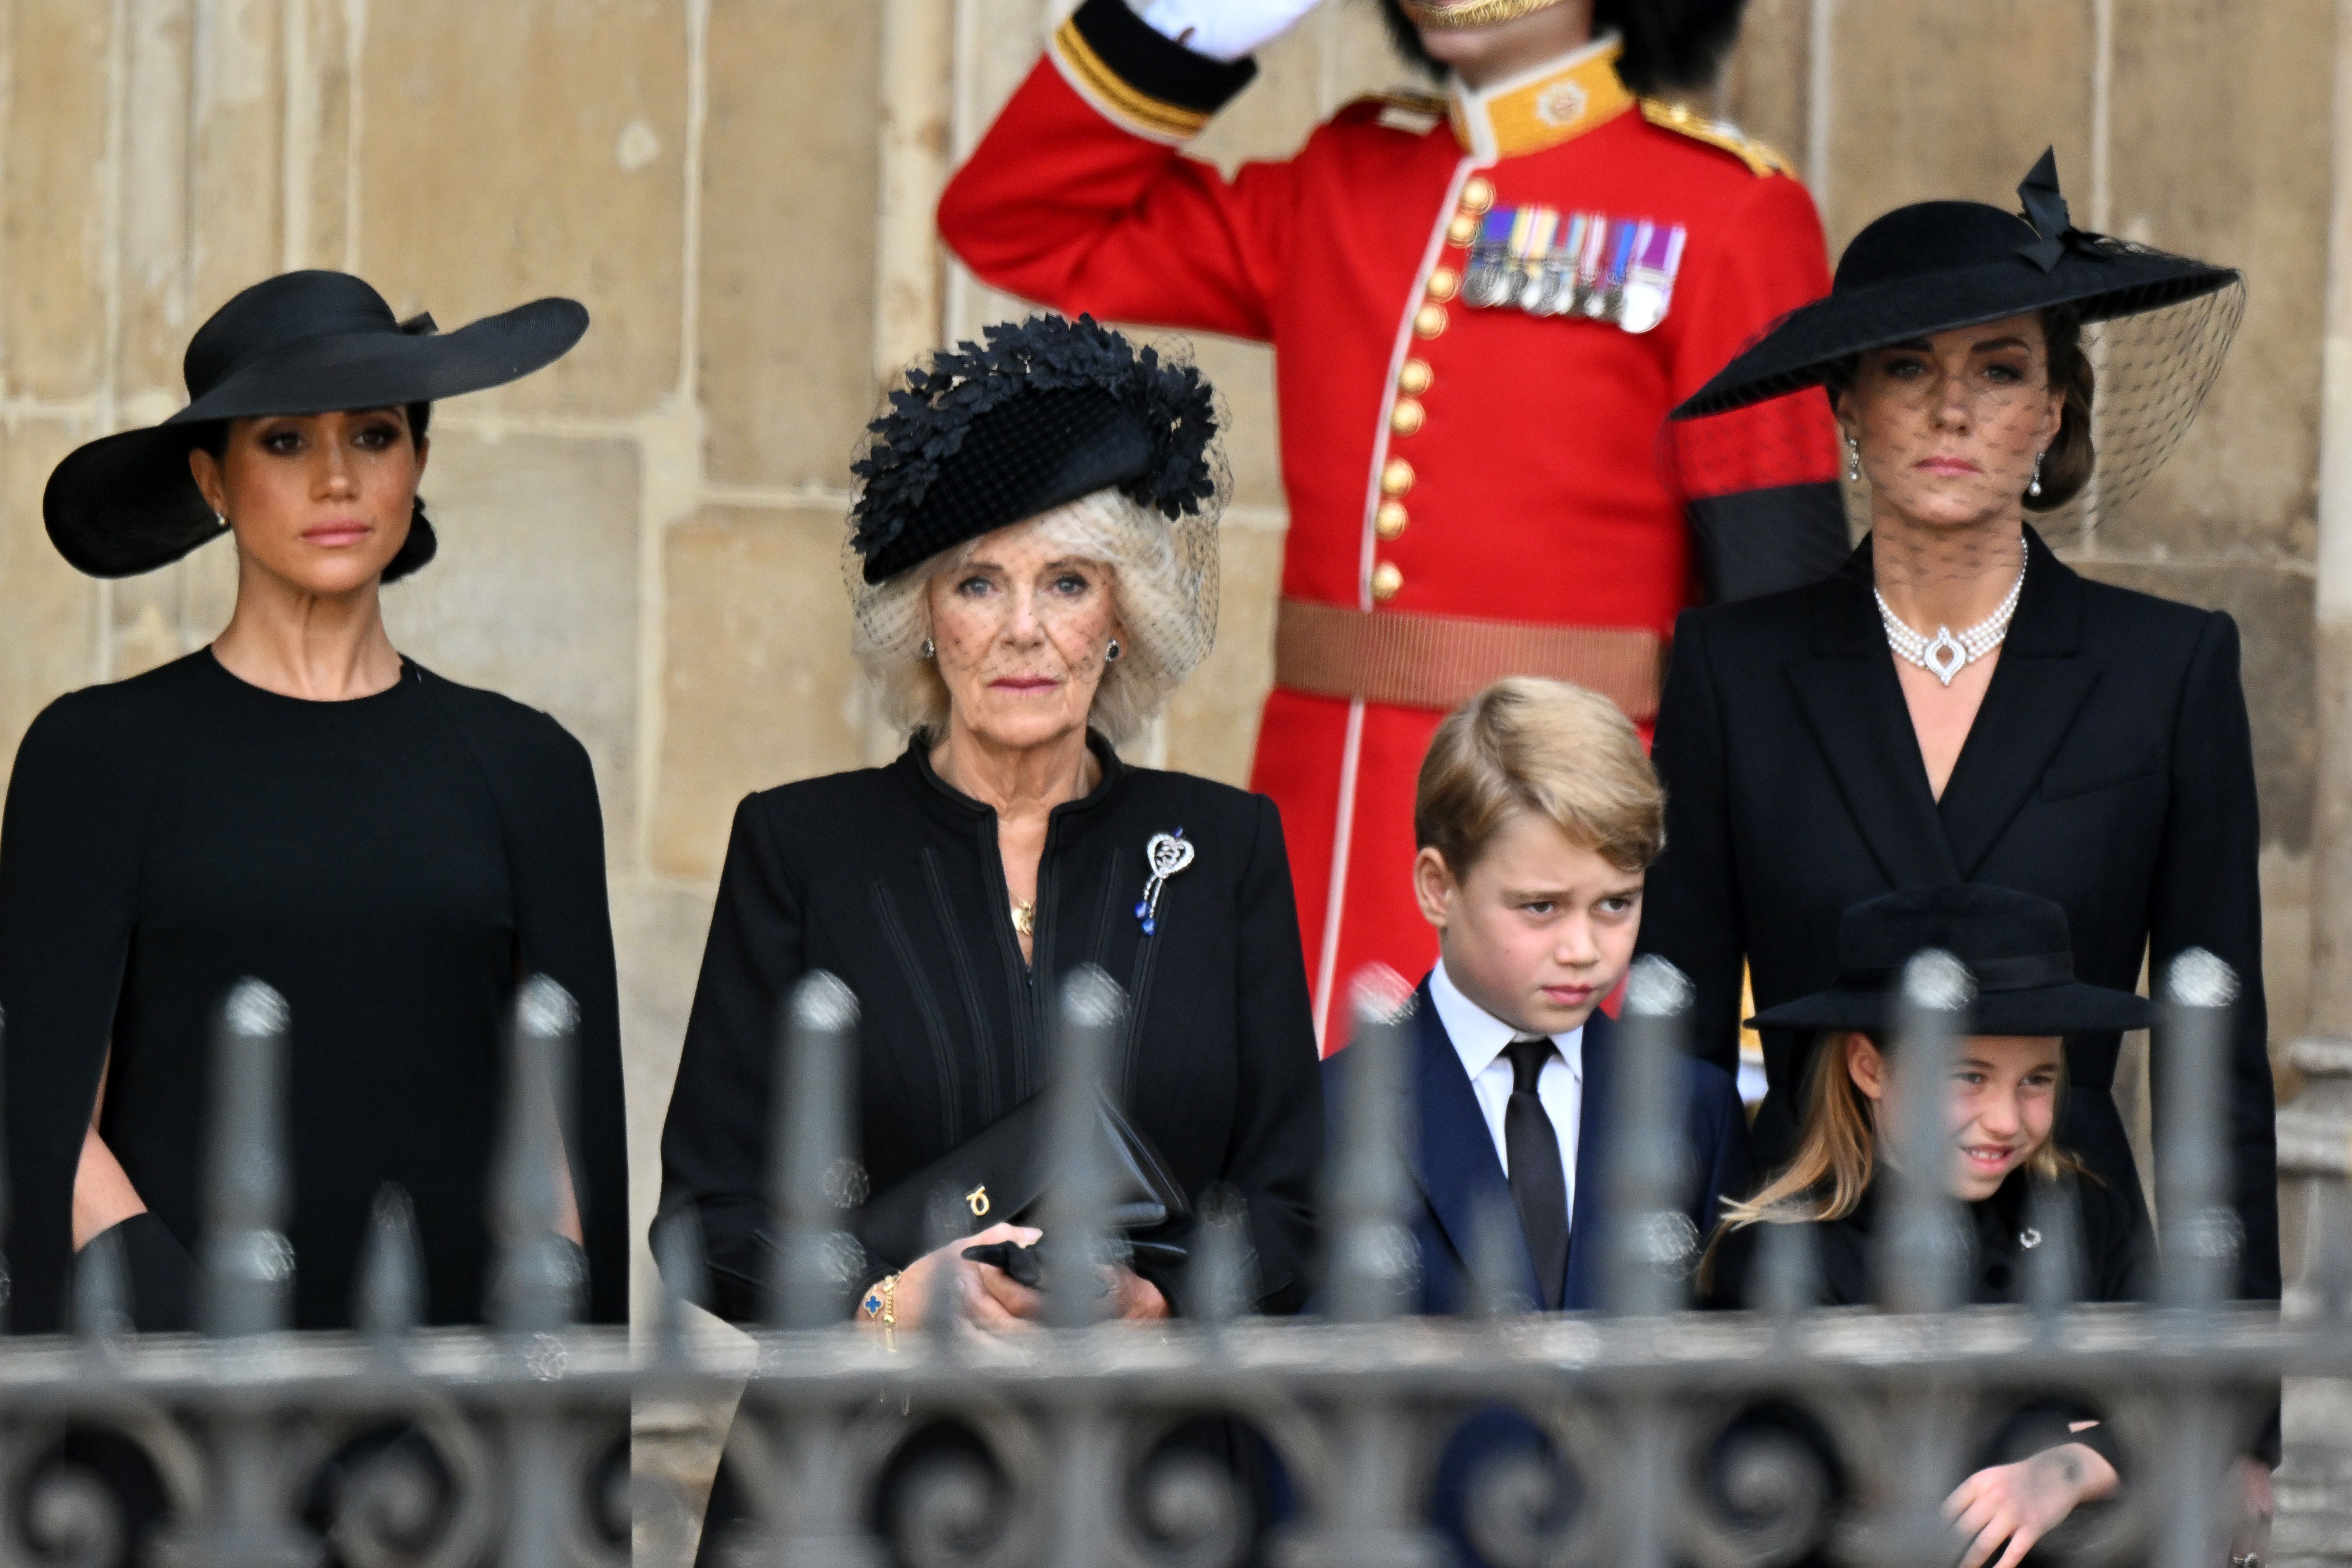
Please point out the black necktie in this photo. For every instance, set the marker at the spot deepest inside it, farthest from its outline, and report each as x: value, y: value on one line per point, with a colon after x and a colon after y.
x: 1539, y: 1186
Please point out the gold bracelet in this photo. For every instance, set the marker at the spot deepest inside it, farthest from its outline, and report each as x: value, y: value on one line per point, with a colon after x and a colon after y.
x: 881, y: 1304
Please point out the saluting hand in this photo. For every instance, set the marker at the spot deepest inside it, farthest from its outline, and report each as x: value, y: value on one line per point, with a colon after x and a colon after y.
x: 2022, y: 1502
x: 1224, y: 29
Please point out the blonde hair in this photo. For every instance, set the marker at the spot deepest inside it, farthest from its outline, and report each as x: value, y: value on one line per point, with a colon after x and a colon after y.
x: 1837, y: 1150
x: 1543, y: 747
x: 1163, y: 581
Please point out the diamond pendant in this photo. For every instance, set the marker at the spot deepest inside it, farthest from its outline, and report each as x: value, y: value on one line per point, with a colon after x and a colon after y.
x: 1944, y: 657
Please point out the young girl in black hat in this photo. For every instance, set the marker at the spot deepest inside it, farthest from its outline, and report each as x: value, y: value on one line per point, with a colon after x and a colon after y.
x: 300, y: 804
x: 2005, y: 1165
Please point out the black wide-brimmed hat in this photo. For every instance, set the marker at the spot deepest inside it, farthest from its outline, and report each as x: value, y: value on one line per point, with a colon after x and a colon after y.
x: 1935, y: 265
x: 301, y: 343
x: 1045, y: 412
x: 2016, y: 948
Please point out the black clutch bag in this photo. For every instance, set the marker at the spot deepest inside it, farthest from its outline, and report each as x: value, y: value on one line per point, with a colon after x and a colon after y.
x: 1000, y: 1174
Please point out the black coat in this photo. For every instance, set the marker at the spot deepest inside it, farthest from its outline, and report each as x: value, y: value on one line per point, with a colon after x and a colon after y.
x: 2110, y: 768
x: 893, y: 881
x: 2116, y: 1253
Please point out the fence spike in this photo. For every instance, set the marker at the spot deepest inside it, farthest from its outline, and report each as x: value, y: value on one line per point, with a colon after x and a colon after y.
x: 1495, y: 1272
x: 392, y: 1271
x: 101, y: 1291
x: 1650, y: 1240
x: 1921, y: 1255
x: 1086, y: 1029
x: 685, y: 1278
x: 248, y: 1264
x: 2054, y: 1261
x: 2201, y: 1239
x: 1789, y: 1270
x: 536, y: 1279
x: 1220, y: 1281
x: 1367, y: 1185
x: 815, y: 1180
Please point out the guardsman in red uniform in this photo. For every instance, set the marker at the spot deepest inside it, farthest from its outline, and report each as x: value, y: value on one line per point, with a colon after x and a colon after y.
x: 1482, y: 307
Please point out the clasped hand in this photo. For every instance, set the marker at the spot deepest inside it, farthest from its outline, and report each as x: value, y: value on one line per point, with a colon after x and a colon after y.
x: 989, y: 1299
x: 2022, y: 1502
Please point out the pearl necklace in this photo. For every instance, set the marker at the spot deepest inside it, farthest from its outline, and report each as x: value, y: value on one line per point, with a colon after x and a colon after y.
x: 1943, y: 654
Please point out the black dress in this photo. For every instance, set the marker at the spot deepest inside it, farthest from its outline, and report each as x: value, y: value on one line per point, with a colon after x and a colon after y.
x: 2110, y: 770
x: 892, y: 881
x: 393, y: 865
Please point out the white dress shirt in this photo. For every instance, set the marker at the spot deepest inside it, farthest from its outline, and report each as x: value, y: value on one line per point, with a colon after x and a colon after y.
x: 1478, y: 1039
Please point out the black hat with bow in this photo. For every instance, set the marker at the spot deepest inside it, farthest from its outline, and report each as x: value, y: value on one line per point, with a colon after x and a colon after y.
x: 1935, y: 265
x: 2015, y: 946
x: 301, y: 343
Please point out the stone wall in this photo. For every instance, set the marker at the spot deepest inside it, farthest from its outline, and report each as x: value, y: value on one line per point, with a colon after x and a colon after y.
x: 646, y: 540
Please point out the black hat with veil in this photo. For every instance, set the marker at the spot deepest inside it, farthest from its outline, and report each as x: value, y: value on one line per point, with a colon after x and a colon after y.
x: 2153, y: 327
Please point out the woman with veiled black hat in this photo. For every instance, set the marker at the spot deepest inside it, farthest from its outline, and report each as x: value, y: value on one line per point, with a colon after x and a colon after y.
x: 298, y: 803
x: 1034, y: 570
x: 1956, y: 703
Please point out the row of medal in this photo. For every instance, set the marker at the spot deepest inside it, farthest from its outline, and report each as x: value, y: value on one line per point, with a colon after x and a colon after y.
x: 1548, y: 263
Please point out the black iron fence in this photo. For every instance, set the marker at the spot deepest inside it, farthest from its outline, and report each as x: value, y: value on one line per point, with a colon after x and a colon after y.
x: 504, y: 1445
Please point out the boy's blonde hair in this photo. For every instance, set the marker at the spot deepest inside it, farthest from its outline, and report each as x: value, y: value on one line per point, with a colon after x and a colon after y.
x: 1544, y: 747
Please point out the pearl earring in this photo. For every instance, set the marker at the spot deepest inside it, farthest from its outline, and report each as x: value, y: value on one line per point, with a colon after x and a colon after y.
x: 1853, y: 461
x: 928, y: 651
x: 2034, y: 488
x: 221, y: 518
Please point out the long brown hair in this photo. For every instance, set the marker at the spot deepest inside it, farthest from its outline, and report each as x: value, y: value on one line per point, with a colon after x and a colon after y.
x: 1837, y: 1150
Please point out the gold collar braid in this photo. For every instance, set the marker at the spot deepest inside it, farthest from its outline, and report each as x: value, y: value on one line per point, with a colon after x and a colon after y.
x: 1456, y: 15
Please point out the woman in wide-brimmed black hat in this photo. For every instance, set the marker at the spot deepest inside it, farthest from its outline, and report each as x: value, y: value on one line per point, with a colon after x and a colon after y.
x: 300, y: 804
x: 1956, y: 704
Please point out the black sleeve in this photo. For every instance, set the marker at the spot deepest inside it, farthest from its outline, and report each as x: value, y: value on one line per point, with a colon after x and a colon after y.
x: 1760, y: 541
x: 161, y: 1274
x: 715, y: 1141
x: 1690, y: 912
x: 2206, y: 892
x: 70, y: 848
x: 1134, y: 51
x: 2047, y: 1424
x: 555, y: 832
x: 1277, y: 1143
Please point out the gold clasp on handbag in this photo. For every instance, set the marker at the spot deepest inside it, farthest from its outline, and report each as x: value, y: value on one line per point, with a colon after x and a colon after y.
x: 976, y: 1200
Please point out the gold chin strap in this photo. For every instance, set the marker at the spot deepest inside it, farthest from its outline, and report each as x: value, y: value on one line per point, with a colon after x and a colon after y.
x: 1460, y: 15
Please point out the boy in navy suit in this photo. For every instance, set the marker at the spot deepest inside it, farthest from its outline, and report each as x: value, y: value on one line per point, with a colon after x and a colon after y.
x: 1536, y: 814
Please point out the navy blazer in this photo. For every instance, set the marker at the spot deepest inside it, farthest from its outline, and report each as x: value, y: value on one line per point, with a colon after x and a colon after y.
x: 1459, y: 1177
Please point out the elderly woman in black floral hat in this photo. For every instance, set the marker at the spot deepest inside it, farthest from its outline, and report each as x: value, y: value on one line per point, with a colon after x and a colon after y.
x: 1033, y: 571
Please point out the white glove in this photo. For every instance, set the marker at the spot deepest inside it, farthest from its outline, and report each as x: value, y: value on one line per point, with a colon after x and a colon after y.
x: 1225, y: 30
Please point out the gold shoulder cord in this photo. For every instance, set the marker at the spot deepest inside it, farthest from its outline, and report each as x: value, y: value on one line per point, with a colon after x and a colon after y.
x: 1759, y: 158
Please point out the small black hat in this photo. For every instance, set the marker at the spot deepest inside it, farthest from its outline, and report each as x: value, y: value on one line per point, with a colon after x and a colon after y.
x: 1049, y: 411
x: 301, y: 343
x: 1934, y: 265
x: 2015, y: 946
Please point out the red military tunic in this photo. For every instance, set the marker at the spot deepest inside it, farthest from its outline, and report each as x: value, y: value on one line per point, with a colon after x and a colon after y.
x: 1485, y: 485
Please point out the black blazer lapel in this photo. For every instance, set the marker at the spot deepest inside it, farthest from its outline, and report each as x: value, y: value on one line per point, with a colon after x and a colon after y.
x: 2036, y: 689
x: 1585, y: 1225
x: 1460, y: 1176
x: 1855, y: 704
